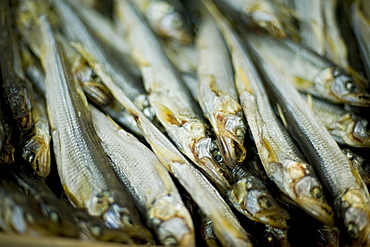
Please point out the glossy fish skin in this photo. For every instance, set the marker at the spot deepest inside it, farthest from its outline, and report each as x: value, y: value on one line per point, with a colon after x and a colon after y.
x: 76, y: 31
x: 227, y: 228
x: 167, y: 18
x: 280, y: 157
x: 257, y: 13
x: 172, y: 103
x: 14, y: 86
x: 350, y: 195
x: 310, y: 72
x: 252, y: 198
x: 36, y: 147
x: 30, y: 220
x: 217, y: 94
x: 360, y: 21
x: 345, y: 127
x: 149, y: 182
x: 86, y: 176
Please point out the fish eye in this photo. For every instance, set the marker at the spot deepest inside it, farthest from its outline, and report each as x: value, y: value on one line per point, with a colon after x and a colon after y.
x: 217, y: 155
x: 317, y: 193
x: 264, y: 202
x: 127, y: 220
x: 30, y: 157
x: 350, y: 86
x: 170, y: 241
x: 352, y: 230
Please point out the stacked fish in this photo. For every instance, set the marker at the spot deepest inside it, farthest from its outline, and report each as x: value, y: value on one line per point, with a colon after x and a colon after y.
x: 208, y: 123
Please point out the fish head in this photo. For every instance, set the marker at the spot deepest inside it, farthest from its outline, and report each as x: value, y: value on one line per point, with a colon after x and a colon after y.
x: 361, y: 132
x: 346, y: 90
x: 211, y: 162
x: 37, y: 152
x: 310, y: 197
x: 169, y: 22
x: 262, y: 15
x: 355, y: 211
x: 252, y: 199
x: 172, y: 222
x: 231, y: 136
x: 116, y: 216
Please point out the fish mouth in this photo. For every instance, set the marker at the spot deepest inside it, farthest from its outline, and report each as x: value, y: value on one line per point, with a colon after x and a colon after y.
x: 275, y: 218
x: 319, y: 210
x: 37, y: 153
x: 361, y: 133
x: 357, y: 99
x: 232, y: 149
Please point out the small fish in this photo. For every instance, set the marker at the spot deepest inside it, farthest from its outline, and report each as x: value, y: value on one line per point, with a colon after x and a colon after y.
x: 340, y: 179
x: 358, y: 163
x: 309, y: 72
x: 86, y: 176
x: 167, y: 18
x: 276, y: 236
x: 149, y: 182
x: 217, y: 93
x: 360, y: 20
x: 174, y: 106
x: 6, y: 134
x: 259, y: 13
x: 36, y: 146
x: 283, y: 162
x: 14, y: 87
x: 207, y: 232
x: 227, y: 228
x: 62, y: 217
x: 345, y: 127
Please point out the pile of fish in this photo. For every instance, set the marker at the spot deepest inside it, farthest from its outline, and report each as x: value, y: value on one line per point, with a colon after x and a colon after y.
x: 186, y: 123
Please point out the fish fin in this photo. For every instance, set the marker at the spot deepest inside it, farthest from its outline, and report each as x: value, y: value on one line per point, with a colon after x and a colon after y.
x: 166, y: 114
x: 213, y: 85
x: 282, y: 116
x: 139, y: 58
x: 301, y: 83
x: 309, y: 101
x: 271, y: 155
x: 244, y: 80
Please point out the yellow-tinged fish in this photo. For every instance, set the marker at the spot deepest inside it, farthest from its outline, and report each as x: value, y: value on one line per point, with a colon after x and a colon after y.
x: 227, y: 228
x: 86, y: 176
x: 283, y: 162
x: 171, y: 101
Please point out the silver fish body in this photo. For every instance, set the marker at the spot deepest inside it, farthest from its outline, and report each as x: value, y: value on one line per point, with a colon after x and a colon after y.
x: 172, y: 103
x: 86, y: 177
x: 282, y: 161
x: 167, y: 18
x: 149, y: 182
x: 350, y: 195
x: 227, y: 228
x: 310, y: 72
x: 345, y: 127
x: 217, y: 94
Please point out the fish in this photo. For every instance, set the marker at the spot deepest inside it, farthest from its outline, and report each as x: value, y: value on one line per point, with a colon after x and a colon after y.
x: 76, y: 31
x: 310, y: 72
x: 109, y: 35
x: 346, y: 127
x: 281, y: 159
x: 172, y: 103
x: 358, y: 163
x: 14, y: 87
x: 259, y: 14
x: 86, y: 176
x: 251, y: 197
x: 227, y: 228
x: 167, y: 18
x: 217, y: 93
x: 148, y: 181
x: 311, y: 23
x: 360, y: 22
x: 347, y: 190
x: 71, y: 222
x: 276, y: 236
x: 207, y: 232
x: 36, y: 142
x: 6, y: 135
